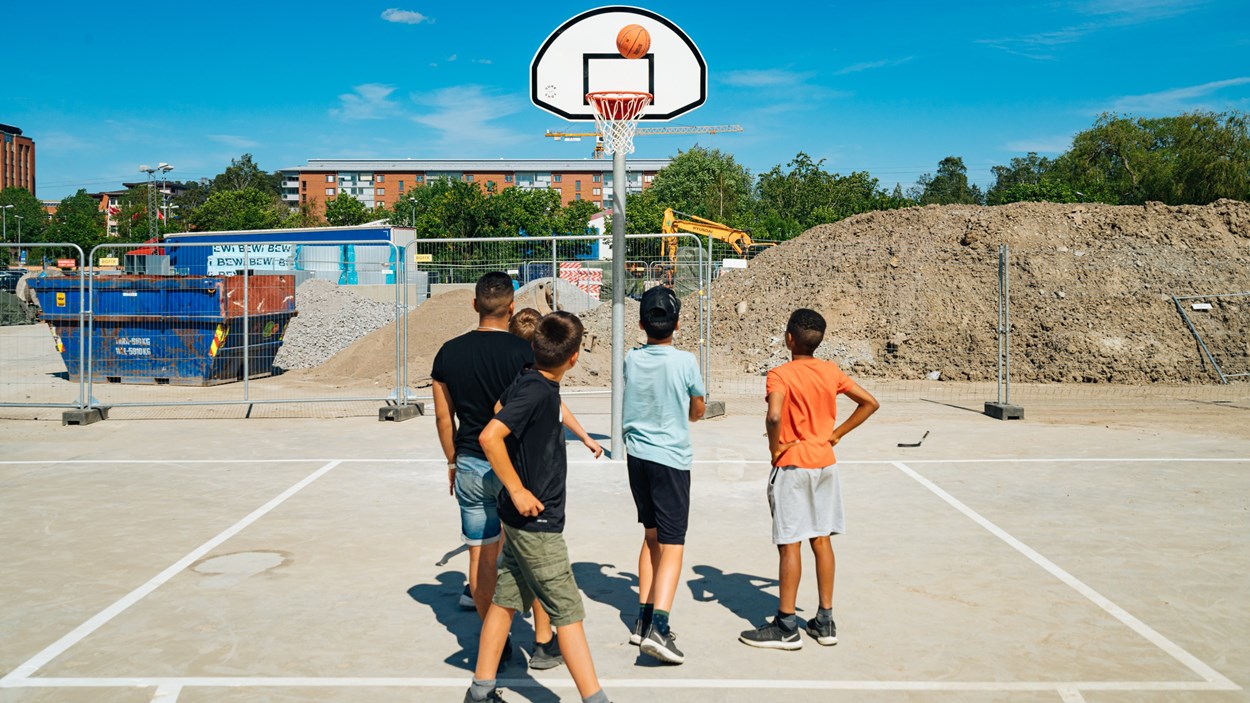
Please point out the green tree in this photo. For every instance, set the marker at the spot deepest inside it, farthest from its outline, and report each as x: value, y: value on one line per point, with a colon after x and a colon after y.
x: 78, y: 220
x: 243, y: 173
x: 26, y: 210
x: 794, y: 200
x: 345, y: 211
x: 230, y: 210
x: 185, y: 201
x: 707, y: 183
x: 444, y: 208
x: 949, y: 186
x: 516, y: 211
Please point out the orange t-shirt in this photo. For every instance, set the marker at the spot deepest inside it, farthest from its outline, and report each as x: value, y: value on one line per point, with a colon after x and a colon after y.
x: 809, y: 412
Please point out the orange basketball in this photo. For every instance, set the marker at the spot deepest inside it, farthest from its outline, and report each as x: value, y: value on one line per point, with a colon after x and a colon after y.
x: 633, y: 41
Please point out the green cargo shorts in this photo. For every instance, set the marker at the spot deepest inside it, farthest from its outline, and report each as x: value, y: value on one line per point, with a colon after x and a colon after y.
x: 536, y: 565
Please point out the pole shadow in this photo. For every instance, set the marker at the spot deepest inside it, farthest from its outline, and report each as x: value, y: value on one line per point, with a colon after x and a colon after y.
x: 742, y: 594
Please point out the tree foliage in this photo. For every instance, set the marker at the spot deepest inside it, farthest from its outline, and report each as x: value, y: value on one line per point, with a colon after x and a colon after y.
x: 78, y: 220
x: 244, y: 174
x: 249, y: 208
x: 27, y: 211
x: 948, y: 186
x: 707, y: 183
x: 346, y: 211
x: 794, y: 200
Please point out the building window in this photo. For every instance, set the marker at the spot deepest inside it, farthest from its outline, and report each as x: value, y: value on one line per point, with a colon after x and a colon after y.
x: 329, y: 191
x: 329, y: 178
x: 598, y: 177
x: 380, y: 191
x: 577, y: 186
x: 596, y: 191
x: 577, y: 196
x: 467, y: 178
x: 647, y: 178
x: 507, y: 178
x: 420, y: 178
x: 490, y: 185
x: 401, y: 186
x: 381, y: 178
x: 555, y: 177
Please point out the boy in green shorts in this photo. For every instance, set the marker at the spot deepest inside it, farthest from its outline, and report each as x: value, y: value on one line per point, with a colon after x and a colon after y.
x: 525, y: 444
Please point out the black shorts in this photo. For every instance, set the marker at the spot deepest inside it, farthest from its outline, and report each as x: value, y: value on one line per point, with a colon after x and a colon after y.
x: 662, y: 495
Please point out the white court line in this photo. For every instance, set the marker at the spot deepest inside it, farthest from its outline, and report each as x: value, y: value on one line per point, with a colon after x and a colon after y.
x: 76, y: 635
x: 167, y: 693
x: 1071, y: 695
x: 1176, y: 651
x: 462, y: 682
x: 762, y: 462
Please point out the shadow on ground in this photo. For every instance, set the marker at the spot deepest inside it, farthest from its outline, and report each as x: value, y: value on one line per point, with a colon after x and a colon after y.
x: 742, y: 594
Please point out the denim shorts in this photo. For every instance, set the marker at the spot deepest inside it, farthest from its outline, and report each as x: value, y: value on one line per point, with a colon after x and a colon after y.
x: 477, y: 490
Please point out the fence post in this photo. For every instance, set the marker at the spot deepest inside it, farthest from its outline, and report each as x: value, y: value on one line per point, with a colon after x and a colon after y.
x: 398, y: 408
x: 1002, y: 409
x: 555, y: 277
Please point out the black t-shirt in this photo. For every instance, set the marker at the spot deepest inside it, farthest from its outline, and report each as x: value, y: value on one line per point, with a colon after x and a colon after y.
x: 531, y: 412
x: 477, y: 367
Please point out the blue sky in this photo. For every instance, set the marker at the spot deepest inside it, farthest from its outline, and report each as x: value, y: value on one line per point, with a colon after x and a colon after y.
x: 886, y: 87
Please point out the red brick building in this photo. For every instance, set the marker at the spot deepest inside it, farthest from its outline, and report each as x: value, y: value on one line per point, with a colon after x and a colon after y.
x: 17, y: 159
x: 381, y: 182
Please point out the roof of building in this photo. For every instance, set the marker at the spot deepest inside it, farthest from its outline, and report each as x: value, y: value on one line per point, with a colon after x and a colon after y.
x: 479, y: 165
x: 10, y: 129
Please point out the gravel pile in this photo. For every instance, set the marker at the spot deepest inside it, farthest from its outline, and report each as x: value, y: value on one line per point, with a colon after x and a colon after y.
x: 330, y: 319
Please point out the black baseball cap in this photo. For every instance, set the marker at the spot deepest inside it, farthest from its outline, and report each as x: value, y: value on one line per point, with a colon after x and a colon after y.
x: 660, y: 304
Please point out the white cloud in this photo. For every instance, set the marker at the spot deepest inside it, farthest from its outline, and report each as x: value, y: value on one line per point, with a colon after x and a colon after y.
x: 1177, y: 99
x: 1104, y: 14
x: 233, y: 140
x: 870, y: 65
x: 451, y: 58
x: 1042, y: 145
x: 369, y: 101
x: 764, y: 78
x: 463, y: 116
x: 484, y: 62
x: 404, y: 16
x: 1135, y: 11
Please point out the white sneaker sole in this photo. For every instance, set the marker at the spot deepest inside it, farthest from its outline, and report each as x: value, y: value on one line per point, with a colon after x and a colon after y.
x: 654, y: 650
x: 826, y: 641
x: 635, y: 640
x: 773, y: 644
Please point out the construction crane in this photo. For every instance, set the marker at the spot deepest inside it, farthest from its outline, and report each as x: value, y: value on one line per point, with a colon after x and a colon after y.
x: 645, y: 131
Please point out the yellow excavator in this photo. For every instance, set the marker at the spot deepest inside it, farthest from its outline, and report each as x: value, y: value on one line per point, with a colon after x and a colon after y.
x: 678, y: 222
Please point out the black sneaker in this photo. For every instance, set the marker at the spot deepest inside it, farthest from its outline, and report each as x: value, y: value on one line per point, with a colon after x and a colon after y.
x: 772, y: 636
x: 635, y: 637
x: 825, y: 633
x: 547, y: 656
x: 662, y: 646
x: 492, y: 697
x: 506, y: 655
x: 466, y: 599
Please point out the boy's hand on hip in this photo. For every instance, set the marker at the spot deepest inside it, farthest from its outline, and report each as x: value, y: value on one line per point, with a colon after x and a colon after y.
x: 526, y: 504
x: 781, y: 449
x: 594, y: 447
x: 451, y: 480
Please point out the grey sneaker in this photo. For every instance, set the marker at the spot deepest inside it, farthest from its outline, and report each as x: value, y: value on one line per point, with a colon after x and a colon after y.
x: 662, y: 647
x: 772, y: 636
x: 492, y: 697
x: 547, y: 656
x: 466, y: 599
x: 635, y: 637
x: 825, y: 633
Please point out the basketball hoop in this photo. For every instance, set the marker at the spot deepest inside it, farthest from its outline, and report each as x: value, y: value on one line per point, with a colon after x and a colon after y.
x: 616, y: 117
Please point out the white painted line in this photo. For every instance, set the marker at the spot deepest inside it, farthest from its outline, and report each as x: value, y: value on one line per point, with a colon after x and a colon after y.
x: 761, y: 462
x: 1071, y: 695
x: 76, y: 635
x: 167, y: 693
x: 1176, y: 651
x: 462, y: 682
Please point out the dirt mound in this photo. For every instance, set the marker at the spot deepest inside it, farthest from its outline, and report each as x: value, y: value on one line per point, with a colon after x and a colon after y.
x: 372, y: 357
x: 594, y: 366
x: 909, y: 293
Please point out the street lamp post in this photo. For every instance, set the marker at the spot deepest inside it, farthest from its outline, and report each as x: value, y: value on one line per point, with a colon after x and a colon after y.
x: 20, y: 259
x: 164, y: 168
x: 4, y: 213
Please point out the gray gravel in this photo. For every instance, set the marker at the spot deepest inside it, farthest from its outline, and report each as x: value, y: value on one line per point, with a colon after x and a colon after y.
x: 330, y: 318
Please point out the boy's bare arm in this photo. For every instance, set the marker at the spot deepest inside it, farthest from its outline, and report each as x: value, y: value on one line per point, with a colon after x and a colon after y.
x: 698, y: 405
x: 866, y: 405
x: 772, y: 422
x: 570, y: 421
x: 497, y: 454
x: 445, y: 420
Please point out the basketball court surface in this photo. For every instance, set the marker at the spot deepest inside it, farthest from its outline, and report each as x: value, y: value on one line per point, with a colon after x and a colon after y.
x: 271, y: 559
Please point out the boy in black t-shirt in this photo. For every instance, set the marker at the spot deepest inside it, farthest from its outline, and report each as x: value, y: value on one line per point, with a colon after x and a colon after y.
x: 525, y: 445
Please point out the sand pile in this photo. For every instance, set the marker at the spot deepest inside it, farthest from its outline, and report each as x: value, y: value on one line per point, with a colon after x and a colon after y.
x: 911, y: 293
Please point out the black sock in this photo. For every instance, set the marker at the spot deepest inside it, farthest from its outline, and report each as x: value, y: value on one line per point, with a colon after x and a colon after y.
x: 645, y: 613
x: 787, y: 621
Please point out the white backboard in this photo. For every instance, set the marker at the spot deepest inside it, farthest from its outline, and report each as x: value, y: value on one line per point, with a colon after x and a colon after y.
x: 581, y: 57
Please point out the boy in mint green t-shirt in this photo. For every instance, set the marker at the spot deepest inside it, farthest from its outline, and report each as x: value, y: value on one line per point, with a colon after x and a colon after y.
x: 663, y: 394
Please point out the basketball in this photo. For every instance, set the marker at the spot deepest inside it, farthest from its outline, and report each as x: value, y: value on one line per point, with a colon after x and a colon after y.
x: 633, y: 41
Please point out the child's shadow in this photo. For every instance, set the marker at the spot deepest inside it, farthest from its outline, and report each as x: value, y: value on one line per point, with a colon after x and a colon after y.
x: 619, y: 591
x: 443, y: 599
x: 742, y: 594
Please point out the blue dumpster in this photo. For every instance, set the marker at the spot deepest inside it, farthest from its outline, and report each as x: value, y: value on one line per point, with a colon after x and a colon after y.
x: 175, y: 330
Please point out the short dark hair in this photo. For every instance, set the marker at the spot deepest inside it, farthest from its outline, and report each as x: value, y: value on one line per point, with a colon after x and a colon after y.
x: 557, y: 337
x: 807, y: 328
x: 493, y: 293
x: 523, y: 323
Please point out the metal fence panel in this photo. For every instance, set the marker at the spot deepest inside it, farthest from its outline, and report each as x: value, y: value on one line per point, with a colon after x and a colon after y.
x: 36, y: 355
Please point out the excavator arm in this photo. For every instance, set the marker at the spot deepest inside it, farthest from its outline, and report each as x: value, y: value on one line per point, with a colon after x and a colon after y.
x: 676, y: 222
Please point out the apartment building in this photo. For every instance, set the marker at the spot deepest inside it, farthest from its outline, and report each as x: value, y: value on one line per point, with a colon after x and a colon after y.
x: 381, y: 182
x: 17, y: 159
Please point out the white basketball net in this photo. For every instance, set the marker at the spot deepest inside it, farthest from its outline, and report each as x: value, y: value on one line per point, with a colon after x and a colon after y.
x: 616, y: 117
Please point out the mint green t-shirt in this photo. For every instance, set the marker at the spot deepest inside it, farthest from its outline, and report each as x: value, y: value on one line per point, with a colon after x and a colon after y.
x: 660, y: 380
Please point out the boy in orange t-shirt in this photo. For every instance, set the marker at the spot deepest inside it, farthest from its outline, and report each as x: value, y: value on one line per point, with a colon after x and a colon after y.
x: 803, y: 489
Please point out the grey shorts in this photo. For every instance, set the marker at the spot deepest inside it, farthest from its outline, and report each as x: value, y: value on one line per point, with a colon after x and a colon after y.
x: 536, y: 565
x: 805, y: 503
